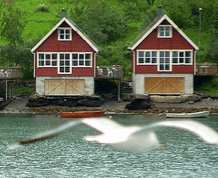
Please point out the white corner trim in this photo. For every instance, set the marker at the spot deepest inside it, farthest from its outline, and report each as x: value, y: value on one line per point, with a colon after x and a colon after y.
x: 34, y: 65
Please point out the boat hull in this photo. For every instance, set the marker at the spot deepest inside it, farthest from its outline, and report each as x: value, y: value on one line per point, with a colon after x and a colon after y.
x: 82, y: 114
x: 188, y: 115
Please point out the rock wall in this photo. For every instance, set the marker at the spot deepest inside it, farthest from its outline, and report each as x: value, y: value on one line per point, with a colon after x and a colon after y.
x: 71, y: 101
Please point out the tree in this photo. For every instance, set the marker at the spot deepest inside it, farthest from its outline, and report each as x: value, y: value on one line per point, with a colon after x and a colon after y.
x: 11, y: 26
x: 150, y: 2
x: 100, y: 21
x: 16, y: 52
x: 20, y: 55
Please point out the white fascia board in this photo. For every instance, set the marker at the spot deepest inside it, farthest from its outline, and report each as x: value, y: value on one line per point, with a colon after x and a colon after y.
x: 82, y: 35
x: 147, y: 33
x: 46, y: 36
x: 73, y: 27
x: 156, y: 25
x: 182, y: 33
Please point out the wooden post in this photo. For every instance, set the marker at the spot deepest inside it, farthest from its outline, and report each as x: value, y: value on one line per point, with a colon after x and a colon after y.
x: 10, y: 94
x: 6, y: 97
x: 119, y: 85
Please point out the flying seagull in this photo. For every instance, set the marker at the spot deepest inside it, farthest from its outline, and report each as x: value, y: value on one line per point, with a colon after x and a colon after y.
x: 127, y: 138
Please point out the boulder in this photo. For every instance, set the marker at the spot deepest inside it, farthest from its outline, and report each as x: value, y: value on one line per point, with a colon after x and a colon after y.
x: 194, y: 98
x: 143, y: 97
x: 58, y: 102
x: 127, y: 97
x: 91, y: 101
x: 138, y: 104
x: 168, y: 99
x: 38, y: 103
x: 33, y: 98
x: 71, y: 102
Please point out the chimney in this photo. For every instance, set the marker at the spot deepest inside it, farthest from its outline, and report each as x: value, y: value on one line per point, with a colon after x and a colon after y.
x: 63, y: 13
x: 159, y: 11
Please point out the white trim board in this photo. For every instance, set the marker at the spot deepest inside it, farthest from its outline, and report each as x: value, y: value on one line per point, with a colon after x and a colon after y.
x: 165, y: 17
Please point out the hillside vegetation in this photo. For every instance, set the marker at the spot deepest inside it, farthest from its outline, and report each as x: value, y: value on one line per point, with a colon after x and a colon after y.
x: 111, y: 24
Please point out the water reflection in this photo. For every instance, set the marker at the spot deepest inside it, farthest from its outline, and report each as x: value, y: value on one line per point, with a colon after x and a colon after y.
x: 69, y: 156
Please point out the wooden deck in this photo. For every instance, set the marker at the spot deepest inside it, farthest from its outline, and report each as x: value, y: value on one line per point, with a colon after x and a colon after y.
x: 206, y: 69
x: 105, y: 72
x: 10, y: 73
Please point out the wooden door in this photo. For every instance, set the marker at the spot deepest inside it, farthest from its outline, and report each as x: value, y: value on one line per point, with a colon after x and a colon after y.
x: 166, y: 85
x: 64, y: 87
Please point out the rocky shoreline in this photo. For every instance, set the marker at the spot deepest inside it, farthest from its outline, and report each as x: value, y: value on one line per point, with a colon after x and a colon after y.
x: 19, y: 105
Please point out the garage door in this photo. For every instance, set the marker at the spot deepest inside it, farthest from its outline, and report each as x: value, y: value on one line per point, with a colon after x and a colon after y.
x: 64, y: 87
x: 168, y: 85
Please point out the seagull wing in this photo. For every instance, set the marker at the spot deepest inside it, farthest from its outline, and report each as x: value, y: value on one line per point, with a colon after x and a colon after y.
x: 206, y: 133
x: 51, y: 133
x: 101, y: 124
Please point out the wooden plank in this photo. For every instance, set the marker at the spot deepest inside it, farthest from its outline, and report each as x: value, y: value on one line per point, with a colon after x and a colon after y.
x: 64, y: 87
x: 75, y: 87
x: 54, y: 87
x: 167, y: 85
x: 174, y: 85
x: 154, y: 85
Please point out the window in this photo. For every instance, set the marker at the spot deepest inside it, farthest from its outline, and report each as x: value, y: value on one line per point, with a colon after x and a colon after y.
x: 64, y: 63
x: 165, y: 31
x: 182, y: 57
x: 54, y: 60
x: 47, y: 59
x: 41, y: 59
x: 164, y: 61
x: 64, y: 34
x: 81, y: 60
x: 147, y: 57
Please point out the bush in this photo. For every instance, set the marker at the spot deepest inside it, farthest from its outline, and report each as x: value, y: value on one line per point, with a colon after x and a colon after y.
x: 101, y: 21
x: 42, y: 7
x: 24, y: 90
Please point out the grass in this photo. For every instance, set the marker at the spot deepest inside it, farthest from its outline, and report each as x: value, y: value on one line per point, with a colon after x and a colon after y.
x: 23, y: 90
x: 39, y: 23
x: 210, y: 87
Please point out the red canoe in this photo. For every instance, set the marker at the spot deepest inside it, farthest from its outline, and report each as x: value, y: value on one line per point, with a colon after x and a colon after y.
x: 82, y: 114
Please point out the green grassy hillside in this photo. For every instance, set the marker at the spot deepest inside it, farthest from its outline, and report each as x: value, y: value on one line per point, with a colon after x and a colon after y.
x: 114, y: 24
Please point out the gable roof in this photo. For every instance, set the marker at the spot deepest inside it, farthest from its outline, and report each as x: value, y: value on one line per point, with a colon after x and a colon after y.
x: 153, y: 26
x: 75, y: 28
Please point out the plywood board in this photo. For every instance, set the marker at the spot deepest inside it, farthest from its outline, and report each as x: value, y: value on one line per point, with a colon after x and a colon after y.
x: 64, y: 87
x: 164, y: 85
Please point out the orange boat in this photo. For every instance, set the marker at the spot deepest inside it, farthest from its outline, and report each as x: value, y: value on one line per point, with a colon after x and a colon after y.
x: 82, y: 114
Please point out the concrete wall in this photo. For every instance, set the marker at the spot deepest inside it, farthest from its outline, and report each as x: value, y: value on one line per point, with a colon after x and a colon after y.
x: 89, y: 84
x: 139, y: 79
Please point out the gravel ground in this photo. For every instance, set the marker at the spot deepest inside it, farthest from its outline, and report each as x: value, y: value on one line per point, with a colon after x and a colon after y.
x: 19, y: 106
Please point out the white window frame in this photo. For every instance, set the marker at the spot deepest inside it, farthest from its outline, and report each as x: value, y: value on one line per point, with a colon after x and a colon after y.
x: 164, y: 34
x: 184, y: 62
x: 59, y: 61
x: 44, y: 60
x: 171, y: 58
x: 144, y: 57
x: 84, y: 61
x: 170, y: 61
x: 59, y: 34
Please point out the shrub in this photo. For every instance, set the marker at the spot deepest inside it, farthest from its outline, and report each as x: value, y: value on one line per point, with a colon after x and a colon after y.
x: 42, y: 7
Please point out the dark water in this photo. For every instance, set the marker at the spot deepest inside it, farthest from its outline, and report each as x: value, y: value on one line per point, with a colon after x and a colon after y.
x: 69, y: 156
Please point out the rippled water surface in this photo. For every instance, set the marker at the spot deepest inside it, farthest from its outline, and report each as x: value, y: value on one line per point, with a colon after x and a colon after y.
x: 69, y: 156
